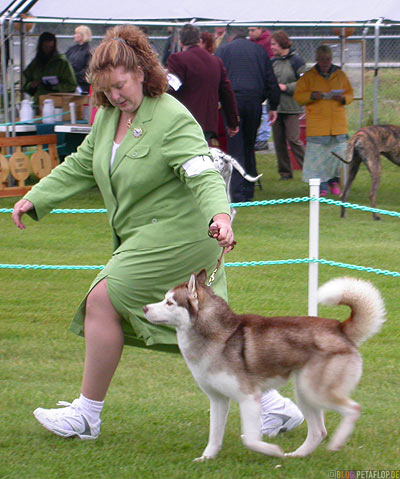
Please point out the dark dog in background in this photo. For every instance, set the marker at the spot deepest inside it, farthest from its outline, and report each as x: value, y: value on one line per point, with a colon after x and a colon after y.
x: 366, y: 145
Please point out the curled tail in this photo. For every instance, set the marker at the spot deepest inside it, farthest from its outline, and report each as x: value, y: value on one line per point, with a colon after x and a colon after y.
x: 365, y: 302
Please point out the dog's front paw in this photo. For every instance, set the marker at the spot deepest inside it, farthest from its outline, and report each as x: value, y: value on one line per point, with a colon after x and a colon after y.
x: 203, y: 458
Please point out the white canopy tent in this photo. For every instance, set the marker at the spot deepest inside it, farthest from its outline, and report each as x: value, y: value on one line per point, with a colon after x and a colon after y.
x: 231, y: 11
x: 373, y: 13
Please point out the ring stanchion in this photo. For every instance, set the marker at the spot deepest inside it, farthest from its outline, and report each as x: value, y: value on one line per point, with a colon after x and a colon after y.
x: 313, y: 248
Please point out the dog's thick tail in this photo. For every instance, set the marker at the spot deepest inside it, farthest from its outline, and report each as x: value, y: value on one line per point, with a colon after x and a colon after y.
x: 365, y: 301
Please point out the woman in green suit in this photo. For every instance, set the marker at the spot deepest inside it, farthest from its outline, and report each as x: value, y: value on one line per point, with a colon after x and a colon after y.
x: 148, y: 157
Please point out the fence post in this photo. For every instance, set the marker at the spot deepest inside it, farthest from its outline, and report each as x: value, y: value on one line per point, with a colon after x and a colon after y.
x: 313, y: 248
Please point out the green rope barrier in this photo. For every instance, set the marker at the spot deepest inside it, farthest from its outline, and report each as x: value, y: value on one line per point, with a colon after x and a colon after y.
x: 236, y: 264
x: 39, y: 119
x: 247, y: 204
x: 28, y: 153
x: 368, y: 269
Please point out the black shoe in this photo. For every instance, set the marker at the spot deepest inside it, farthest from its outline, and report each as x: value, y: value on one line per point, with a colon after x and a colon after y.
x: 261, y: 145
x: 284, y: 178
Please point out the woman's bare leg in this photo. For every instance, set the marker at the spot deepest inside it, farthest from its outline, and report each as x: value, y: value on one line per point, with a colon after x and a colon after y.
x: 104, y: 343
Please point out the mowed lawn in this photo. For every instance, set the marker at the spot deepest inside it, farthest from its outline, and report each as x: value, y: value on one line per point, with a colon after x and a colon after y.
x: 155, y: 419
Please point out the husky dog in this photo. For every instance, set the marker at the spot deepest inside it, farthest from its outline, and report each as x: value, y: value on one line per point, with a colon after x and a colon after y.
x: 239, y: 357
x: 366, y: 145
x: 225, y: 163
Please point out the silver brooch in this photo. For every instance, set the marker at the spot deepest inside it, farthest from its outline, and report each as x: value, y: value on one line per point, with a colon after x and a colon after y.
x: 137, y: 132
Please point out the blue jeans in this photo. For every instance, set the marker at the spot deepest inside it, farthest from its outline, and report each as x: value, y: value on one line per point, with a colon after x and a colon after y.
x: 264, y: 130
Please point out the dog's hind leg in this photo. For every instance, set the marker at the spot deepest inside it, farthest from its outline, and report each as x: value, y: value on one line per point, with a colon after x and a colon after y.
x: 375, y: 169
x: 219, y: 409
x: 314, y: 417
x: 250, y: 410
x: 352, y: 172
x: 350, y: 411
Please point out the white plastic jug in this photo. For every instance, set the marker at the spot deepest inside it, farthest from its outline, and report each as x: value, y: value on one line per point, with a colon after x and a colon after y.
x: 26, y: 111
x: 48, y: 111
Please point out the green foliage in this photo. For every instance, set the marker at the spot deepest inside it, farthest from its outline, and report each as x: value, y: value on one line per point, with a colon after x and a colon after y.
x: 388, y: 104
x: 156, y: 419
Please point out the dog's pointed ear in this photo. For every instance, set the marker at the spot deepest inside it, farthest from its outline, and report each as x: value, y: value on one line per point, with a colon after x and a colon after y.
x: 192, y: 287
x: 192, y: 296
x: 202, y: 276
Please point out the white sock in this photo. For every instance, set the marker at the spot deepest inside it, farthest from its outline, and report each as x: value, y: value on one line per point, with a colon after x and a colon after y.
x: 272, y: 400
x: 91, y: 408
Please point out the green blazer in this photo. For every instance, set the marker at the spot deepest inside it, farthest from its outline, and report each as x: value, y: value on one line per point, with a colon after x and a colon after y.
x: 151, y: 202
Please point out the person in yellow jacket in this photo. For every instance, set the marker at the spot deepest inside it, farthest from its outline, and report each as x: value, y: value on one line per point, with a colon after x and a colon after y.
x: 324, y: 90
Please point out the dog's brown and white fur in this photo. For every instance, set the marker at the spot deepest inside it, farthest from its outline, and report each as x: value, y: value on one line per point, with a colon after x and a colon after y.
x: 239, y: 357
x: 366, y: 145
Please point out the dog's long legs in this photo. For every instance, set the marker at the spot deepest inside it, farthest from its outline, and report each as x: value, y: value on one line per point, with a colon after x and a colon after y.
x: 352, y: 172
x: 314, y: 417
x: 375, y: 170
x: 350, y: 410
x: 251, y: 435
x: 219, y: 409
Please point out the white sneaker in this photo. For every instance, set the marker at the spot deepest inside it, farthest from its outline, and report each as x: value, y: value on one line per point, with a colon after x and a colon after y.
x: 282, y: 419
x: 68, y: 421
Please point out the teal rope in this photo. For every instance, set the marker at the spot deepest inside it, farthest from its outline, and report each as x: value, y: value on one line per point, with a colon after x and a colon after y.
x: 252, y: 203
x: 237, y: 264
x: 34, y: 119
x: 44, y: 149
x: 385, y: 272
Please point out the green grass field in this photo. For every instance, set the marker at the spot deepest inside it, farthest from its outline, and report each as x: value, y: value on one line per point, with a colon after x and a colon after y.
x: 388, y: 100
x: 156, y: 419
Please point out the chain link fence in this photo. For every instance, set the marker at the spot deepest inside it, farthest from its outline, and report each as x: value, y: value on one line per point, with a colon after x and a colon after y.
x: 305, y: 41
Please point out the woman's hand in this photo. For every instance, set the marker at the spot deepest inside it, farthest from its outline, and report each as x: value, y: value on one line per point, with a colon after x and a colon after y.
x: 221, y: 230
x: 20, y: 208
x: 317, y: 95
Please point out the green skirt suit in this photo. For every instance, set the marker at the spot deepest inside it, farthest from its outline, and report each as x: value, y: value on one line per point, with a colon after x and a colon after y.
x: 161, y: 194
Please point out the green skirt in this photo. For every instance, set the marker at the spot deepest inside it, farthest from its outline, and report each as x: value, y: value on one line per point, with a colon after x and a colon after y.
x: 139, y: 277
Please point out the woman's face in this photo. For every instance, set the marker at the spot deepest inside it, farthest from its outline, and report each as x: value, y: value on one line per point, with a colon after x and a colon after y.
x: 324, y: 62
x: 276, y: 48
x: 78, y: 38
x: 123, y: 89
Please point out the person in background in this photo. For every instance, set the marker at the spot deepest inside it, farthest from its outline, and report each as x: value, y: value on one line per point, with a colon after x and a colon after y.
x: 221, y: 36
x: 199, y: 80
x: 171, y: 45
x: 288, y: 67
x: 79, y: 56
x: 164, y: 198
x: 253, y: 81
x: 325, y: 90
x: 207, y: 41
x: 49, y: 72
x: 261, y: 36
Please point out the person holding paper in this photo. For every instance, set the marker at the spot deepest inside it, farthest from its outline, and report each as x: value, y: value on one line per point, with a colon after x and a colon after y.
x: 49, y: 71
x: 324, y: 90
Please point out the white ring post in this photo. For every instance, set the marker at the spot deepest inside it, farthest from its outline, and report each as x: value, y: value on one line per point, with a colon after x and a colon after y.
x: 313, y: 248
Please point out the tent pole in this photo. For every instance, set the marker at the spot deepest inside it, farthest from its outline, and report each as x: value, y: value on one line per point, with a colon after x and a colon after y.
x: 376, y: 69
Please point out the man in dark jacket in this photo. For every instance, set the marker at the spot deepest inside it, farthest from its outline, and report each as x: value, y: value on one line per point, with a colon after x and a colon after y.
x: 199, y: 81
x: 253, y: 80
